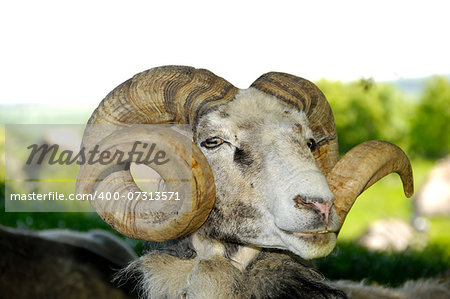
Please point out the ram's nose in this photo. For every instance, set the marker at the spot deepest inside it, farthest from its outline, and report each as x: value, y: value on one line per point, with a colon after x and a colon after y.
x: 323, y: 206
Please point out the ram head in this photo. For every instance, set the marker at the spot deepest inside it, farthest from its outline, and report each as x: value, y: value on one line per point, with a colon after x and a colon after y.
x: 263, y: 161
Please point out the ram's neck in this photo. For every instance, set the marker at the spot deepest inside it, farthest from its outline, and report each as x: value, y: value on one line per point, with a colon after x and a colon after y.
x: 240, y: 256
x: 200, y: 267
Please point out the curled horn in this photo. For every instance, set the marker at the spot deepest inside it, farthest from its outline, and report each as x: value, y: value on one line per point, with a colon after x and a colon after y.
x: 164, y: 95
x: 361, y: 167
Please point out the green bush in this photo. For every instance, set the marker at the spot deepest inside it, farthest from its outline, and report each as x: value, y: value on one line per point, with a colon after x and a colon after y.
x: 430, y: 122
x: 364, y: 111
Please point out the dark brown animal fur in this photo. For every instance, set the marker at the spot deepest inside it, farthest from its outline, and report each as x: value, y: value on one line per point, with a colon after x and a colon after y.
x: 33, y: 267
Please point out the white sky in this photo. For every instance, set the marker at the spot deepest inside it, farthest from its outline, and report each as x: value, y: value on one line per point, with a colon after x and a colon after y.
x: 75, y: 52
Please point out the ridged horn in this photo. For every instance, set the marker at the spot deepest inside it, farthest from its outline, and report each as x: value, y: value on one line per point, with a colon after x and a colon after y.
x: 164, y: 95
x: 303, y: 95
x: 363, y: 166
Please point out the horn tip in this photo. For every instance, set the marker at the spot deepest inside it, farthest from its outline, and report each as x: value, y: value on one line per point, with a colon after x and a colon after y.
x: 408, y: 181
x: 409, y: 191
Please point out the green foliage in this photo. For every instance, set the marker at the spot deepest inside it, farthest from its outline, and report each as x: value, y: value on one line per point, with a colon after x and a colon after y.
x: 364, y: 111
x: 430, y: 124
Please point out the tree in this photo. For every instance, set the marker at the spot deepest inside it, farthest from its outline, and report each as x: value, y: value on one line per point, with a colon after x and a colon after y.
x: 430, y: 124
x: 365, y: 110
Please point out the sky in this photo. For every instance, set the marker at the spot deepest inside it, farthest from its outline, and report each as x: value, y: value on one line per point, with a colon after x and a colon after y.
x: 74, y: 53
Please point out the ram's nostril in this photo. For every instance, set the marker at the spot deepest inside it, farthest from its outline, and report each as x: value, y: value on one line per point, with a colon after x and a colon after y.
x: 303, y: 201
x: 299, y: 200
x: 324, y: 207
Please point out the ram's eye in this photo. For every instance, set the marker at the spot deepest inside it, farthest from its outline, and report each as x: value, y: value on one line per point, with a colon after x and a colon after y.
x: 311, y: 143
x: 212, y: 142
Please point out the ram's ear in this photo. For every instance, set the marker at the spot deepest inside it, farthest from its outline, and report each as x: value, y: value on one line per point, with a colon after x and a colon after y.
x: 164, y: 95
x: 364, y: 165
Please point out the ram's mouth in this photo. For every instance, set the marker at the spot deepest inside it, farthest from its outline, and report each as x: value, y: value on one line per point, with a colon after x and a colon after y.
x: 321, y: 233
x: 318, y: 238
x: 306, y: 234
x: 310, y: 233
x: 322, y: 236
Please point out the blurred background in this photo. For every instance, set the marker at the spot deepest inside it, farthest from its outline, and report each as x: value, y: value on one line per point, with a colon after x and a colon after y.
x: 383, y: 66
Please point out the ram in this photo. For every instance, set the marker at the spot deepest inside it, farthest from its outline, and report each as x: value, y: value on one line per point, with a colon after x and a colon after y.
x: 268, y: 191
